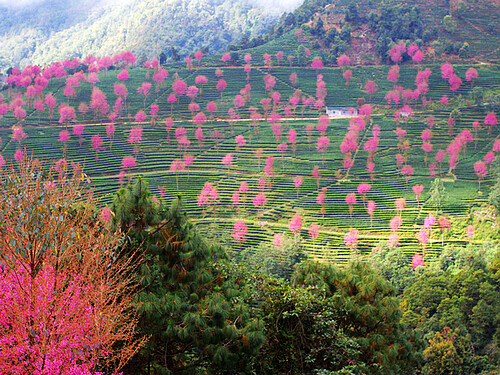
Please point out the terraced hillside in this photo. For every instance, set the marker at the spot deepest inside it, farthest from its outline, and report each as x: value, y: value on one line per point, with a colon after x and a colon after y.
x: 271, y: 157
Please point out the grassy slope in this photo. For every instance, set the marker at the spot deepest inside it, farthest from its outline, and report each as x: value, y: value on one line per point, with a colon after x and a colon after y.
x: 156, y: 154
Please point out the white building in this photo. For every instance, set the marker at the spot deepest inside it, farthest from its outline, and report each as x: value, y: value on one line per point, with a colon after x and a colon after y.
x: 341, y: 112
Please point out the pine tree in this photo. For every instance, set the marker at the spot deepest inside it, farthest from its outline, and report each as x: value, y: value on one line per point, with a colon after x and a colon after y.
x: 368, y: 312
x: 192, y: 308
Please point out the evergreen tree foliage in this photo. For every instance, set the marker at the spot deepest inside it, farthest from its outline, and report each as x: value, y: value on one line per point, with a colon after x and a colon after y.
x: 303, y: 333
x: 195, y: 313
x: 393, y: 265
x: 457, y: 296
x: 368, y: 312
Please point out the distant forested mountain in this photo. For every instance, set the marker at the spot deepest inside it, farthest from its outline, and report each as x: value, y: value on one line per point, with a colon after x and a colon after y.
x: 53, y: 30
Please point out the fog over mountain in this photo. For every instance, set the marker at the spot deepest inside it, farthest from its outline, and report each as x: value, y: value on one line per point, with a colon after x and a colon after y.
x: 41, y: 31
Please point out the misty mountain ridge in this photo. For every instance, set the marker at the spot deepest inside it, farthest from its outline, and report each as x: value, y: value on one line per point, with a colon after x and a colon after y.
x: 33, y: 33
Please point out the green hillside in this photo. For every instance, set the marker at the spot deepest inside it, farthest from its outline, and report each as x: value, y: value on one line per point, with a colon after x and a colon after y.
x: 365, y: 30
x: 465, y: 204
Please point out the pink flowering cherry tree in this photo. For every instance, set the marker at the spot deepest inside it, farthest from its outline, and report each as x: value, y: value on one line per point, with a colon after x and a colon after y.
x: 240, y: 229
x: 351, y: 239
x: 295, y: 224
x: 417, y: 261
x: 370, y: 209
x: 313, y: 233
x: 350, y: 199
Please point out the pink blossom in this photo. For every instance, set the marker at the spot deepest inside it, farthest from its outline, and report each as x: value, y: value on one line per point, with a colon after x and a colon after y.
x: 429, y: 221
x: 262, y: 182
x: 471, y: 74
x: 320, y: 199
x: 427, y: 146
x: 140, y: 116
x: 240, y: 230
x: 317, y: 64
x: 282, y: 147
x: 446, y: 71
x: 480, y: 169
x: 440, y: 156
x: 128, y: 162
x: 426, y: 135
x: 19, y: 156
x: 347, y: 76
x: 470, y: 231
x: 295, y: 224
x: 363, y: 188
x: 50, y: 185
x: 96, y: 142
x: 177, y: 165
x: 259, y: 200
x: 395, y: 223
x: 188, y: 160
x: 400, y: 204
x: 106, y: 214
x: 322, y: 144
x: 297, y: 182
x: 221, y: 85
x: 351, y: 238
x: 154, y: 110
x: 179, y: 87
x: 18, y: 134
x: 235, y: 199
x: 393, y: 74
x: 417, y: 261
x: 350, y: 198
x: 343, y: 60
x: 314, y: 232
x: 278, y: 240
x: 400, y: 132
x: 240, y: 140
x: 135, y: 135
x: 123, y: 75
x: 489, y: 157
x: 393, y: 240
x: 407, y: 171
x: 268, y: 169
x: 496, y: 146
x: 228, y: 159
x: 243, y: 187
x: 396, y: 52
x: 371, y: 145
x: 370, y: 208
x: 490, y: 119
x: 417, y: 189
x: 423, y: 236
x: 61, y: 165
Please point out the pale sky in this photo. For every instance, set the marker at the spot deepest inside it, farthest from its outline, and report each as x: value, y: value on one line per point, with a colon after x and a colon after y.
x: 18, y: 3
